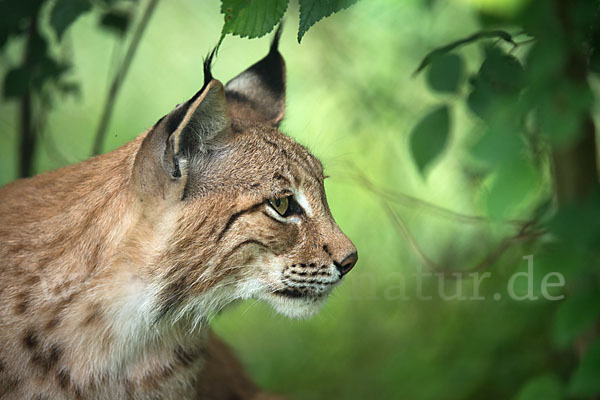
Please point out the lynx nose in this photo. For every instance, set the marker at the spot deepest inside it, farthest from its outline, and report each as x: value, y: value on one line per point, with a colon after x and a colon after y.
x: 347, y: 264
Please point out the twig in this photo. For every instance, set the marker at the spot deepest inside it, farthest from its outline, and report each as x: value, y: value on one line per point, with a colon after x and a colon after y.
x: 119, y: 77
x: 469, y: 39
x: 401, y: 226
x: 523, y: 234
x: 494, y: 255
x: 398, y: 197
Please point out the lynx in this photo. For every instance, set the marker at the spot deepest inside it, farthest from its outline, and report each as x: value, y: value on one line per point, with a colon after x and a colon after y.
x: 111, y: 269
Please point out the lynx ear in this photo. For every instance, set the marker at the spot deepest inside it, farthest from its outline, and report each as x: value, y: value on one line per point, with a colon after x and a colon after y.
x: 181, y: 139
x: 258, y: 93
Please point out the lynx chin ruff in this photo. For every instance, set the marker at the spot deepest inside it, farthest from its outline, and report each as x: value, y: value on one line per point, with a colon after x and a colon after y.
x: 111, y: 268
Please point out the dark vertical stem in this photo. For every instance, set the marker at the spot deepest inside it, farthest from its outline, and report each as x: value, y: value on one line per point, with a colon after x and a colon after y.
x: 119, y: 77
x: 576, y: 171
x: 27, y: 141
x: 576, y: 168
x: 27, y: 138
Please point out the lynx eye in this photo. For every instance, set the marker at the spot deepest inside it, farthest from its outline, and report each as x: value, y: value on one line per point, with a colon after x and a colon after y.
x: 280, y: 204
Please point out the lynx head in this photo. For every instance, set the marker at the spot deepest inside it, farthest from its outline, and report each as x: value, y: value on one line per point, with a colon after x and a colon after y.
x: 246, y: 204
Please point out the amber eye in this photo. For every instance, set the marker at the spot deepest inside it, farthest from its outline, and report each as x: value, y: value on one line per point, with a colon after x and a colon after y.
x: 280, y: 204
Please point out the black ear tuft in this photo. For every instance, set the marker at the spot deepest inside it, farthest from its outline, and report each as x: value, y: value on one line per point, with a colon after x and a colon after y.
x: 208, y: 66
x: 175, y: 118
x: 275, y: 41
x: 178, y: 142
x: 258, y: 93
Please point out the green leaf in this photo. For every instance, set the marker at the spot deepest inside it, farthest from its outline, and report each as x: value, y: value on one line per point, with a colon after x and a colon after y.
x: 111, y: 3
x: 251, y: 18
x: 429, y: 137
x: 69, y: 88
x: 578, y: 224
x: 65, y: 12
x: 41, y: 68
x: 14, y: 15
x: 595, y: 61
x: 312, y: 11
x: 481, y: 100
x: 512, y: 188
x: 585, y: 381
x: 16, y: 82
x: 497, y: 84
x: 547, y: 387
x: 445, y: 73
x: 116, y: 21
x: 502, y: 73
x: 48, y: 69
x: 560, y: 112
x: 545, y: 62
x: 575, y: 315
x: 501, y: 143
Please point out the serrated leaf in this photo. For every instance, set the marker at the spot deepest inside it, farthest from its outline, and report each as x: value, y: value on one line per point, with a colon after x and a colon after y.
x: 65, y: 12
x: 445, y: 73
x: 312, y: 11
x: 251, y: 18
x: 429, y: 137
x: 547, y: 387
x: 585, y: 382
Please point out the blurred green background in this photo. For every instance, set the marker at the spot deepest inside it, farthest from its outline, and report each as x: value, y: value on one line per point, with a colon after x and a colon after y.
x: 352, y: 100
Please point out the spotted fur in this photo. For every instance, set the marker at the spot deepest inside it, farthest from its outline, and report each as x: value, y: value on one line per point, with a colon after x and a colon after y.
x: 111, y: 268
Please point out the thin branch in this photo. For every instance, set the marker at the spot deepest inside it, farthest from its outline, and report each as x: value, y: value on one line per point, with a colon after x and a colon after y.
x: 526, y: 228
x: 119, y: 77
x: 403, y: 229
x: 408, y: 200
x: 469, y: 39
x: 523, y: 234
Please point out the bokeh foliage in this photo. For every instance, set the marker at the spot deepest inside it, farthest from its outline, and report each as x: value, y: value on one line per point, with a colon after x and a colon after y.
x: 485, y: 155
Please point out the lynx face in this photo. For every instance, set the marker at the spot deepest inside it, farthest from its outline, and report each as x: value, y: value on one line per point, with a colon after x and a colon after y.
x: 252, y: 218
x: 293, y: 251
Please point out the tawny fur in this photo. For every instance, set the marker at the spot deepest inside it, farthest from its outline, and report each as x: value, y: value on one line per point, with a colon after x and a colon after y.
x: 111, y: 268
